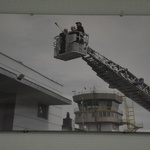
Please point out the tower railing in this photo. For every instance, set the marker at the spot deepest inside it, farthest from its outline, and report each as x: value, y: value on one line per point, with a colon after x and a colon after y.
x: 98, y: 108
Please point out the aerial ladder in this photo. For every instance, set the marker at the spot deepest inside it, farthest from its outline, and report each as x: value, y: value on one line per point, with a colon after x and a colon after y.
x: 117, y: 77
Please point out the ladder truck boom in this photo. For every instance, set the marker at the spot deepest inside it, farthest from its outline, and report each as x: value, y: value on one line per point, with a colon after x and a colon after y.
x: 119, y: 78
x: 116, y: 76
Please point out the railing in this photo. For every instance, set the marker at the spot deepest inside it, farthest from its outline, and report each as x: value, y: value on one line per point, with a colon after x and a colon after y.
x: 94, y: 116
x: 83, y: 37
x: 132, y: 126
x: 98, y: 108
x: 97, y: 91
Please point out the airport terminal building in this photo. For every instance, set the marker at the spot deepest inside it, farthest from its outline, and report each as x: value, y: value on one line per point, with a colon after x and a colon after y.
x: 28, y: 99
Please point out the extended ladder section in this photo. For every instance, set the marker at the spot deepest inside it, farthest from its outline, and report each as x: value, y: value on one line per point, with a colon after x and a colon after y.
x: 119, y: 78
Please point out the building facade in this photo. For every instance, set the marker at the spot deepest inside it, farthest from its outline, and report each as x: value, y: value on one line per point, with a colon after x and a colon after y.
x: 28, y: 99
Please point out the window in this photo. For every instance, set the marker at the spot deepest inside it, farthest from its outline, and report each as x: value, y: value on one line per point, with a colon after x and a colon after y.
x: 114, y: 105
x: 42, y: 111
x: 104, y: 114
x: 93, y: 114
x: 100, y: 114
x: 109, y: 104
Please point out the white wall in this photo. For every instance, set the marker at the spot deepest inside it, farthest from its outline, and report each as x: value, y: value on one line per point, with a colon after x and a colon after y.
x: 25, y: 116
x: 55, y: 118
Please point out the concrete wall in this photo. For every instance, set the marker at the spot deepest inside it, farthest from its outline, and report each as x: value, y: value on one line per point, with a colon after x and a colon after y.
x: 25, y: 116
x: 74, y: 141
x: 109, y: 127
x: 55, y: 118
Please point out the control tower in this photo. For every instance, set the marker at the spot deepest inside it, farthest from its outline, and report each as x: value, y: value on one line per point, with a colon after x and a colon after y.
x: 98, y: 111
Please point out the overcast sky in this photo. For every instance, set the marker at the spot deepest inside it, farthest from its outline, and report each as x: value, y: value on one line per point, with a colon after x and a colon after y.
x: 124, y: 40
